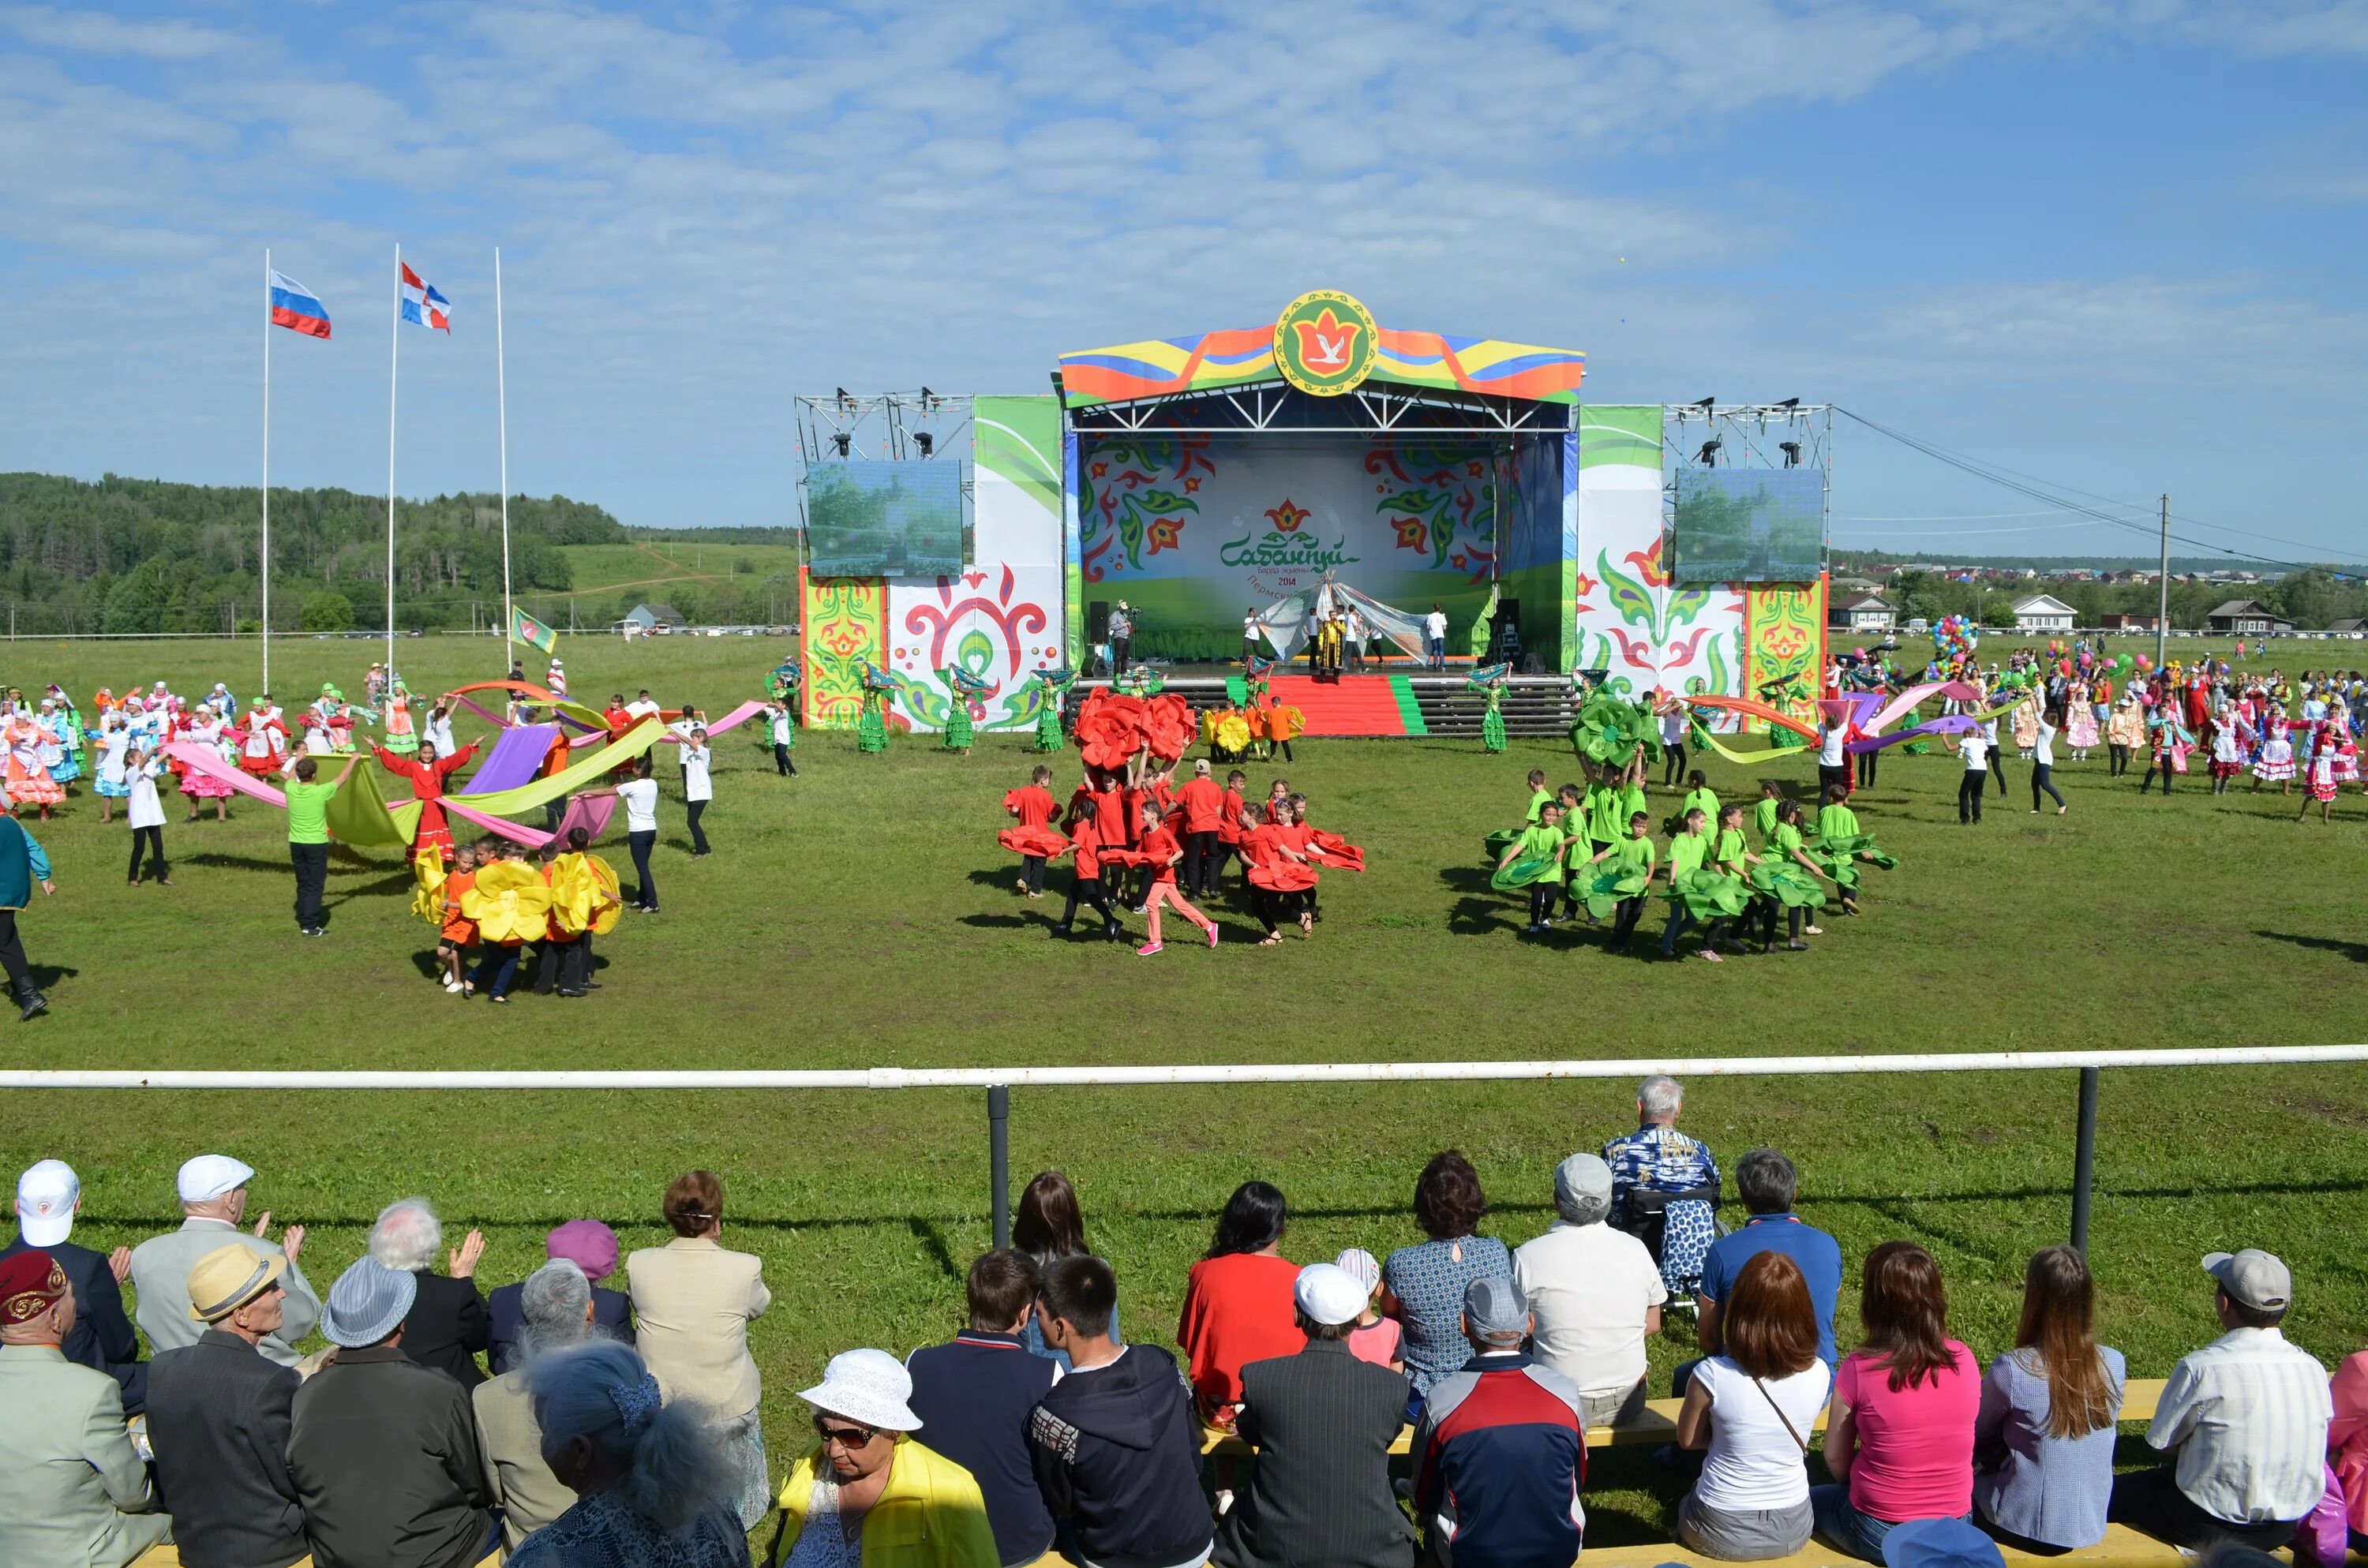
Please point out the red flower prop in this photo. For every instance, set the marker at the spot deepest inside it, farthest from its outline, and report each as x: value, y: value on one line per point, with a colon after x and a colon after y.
x: 1112, y: 727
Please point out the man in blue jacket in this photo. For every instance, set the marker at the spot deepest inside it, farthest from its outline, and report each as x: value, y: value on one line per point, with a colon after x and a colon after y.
x: 1501, y: 1451
x: 976, y: 1395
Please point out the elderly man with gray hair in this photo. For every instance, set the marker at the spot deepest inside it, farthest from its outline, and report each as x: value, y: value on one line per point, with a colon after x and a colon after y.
x: 556, y: 1304
x: 1665, y: 1185
x: 447, y: 1326
x: 1595, y: 1294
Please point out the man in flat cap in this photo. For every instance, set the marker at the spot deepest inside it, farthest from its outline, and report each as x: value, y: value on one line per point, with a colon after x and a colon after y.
x: 2244, y: 1420
x: 74, y: 1493
x: 213, y: 1197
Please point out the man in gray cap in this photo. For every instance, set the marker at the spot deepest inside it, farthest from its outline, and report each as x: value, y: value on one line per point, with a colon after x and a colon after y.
x: 2246, y: 1420
x: 1501, y: 1447
x: 212, y: 1189
x: 1595, y: 1293
x: 383, y: 1450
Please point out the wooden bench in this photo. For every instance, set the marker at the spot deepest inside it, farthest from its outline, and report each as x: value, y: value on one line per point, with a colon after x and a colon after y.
x: 2122, y: 1545
x: 1658, y: 1424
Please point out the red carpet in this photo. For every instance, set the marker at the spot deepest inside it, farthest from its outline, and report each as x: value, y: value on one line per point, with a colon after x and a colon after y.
x: 1360, y: 705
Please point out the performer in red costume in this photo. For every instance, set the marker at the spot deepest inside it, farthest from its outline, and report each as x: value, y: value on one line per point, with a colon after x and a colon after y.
x: 426, y: 773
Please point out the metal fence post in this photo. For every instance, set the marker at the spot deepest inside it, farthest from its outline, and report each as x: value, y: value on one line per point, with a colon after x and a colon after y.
x: 998, y: 1143
x: 2084, y: 1160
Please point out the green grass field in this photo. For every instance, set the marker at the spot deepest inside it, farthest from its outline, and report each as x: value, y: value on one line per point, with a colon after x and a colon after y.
x: 862, y: 915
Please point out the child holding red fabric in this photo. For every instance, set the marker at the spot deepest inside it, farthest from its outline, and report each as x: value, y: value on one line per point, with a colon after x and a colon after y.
x: 1087, y: 887
x: 1034, y: 840
x: 1158, y: 853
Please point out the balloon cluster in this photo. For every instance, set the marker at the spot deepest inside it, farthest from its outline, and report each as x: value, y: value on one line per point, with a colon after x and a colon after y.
x: 1953, y: 637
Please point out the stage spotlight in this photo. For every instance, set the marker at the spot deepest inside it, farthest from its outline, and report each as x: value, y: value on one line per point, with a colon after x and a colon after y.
x: 843, y: 397
x: 1708, y: 456
x: 1791, y: 450
x: 844, y: 442
x: 926, y: 442
x: 1790, y: 403
x: 1706, y: 404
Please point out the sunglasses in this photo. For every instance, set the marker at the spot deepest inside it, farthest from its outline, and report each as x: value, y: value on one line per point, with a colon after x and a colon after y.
x: 848, y: 1437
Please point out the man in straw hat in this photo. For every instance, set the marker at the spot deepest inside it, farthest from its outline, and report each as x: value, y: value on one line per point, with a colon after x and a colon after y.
x: 72, y: 1487
x: 384, y: 1451
x: 217, y: 1417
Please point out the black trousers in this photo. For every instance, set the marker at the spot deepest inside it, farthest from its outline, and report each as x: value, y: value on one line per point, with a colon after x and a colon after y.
x: 692, y: 812
x: 2150, y: 1500
x: 1121, y: 651
x: 2043, y: 777
x: 1866, y: 769
x: 1793, y: 919
x: 1969, y: 794
x: 566, y: 965
x: 783, y: 767
x: 1089, y: 891
x: 12, y: 951
x: 1541, y: 900
x: 647, y: 891
x: 1623, y: 924
x: 152, y: 840
x: 1673, y: 760
x: 311, y: 863
x: 1031, y: 872
x: 1827, y: 777
x: 2118, y: 760
x: 1997, y: 768
x: 1204, y: 856
x: 2156, y: 765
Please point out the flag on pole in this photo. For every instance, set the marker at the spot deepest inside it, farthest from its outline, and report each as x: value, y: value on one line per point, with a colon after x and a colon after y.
x: 296, y: 307
x: 422, y: 304
x: 526, y: 629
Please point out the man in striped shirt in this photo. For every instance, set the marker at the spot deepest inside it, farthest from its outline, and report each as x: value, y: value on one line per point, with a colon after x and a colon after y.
x: 2246, y: 1419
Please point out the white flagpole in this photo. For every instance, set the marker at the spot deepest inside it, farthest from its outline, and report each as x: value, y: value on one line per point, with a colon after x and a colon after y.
x: 266, y: 473
x: 394, y: 363
x: 502, y: 403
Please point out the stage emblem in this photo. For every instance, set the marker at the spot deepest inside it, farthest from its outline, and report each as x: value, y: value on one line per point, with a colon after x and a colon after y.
x: 1324, y: 344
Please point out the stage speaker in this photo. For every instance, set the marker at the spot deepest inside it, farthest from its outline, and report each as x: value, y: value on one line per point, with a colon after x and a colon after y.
x: 1097, y: 620
x: 1508, y: 615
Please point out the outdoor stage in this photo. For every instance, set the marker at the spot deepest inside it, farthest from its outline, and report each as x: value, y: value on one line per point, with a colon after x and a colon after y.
x: 1199, y: 480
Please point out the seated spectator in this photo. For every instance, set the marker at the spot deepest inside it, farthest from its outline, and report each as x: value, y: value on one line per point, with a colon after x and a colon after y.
x: 1322, y: 1421
x: 974, y: 1395
x: 2347, y: 1438
x: 1238, y: 1304
x: 694, y: 1300
x: 556, y: 1306
x: 1900, y: 1441
x: 1681, y: 1174
x: 1422, y: 1286
x: 72, y: 1489
x: 2246, y: 1419
x: 1374, y: 1339
x: 1753, y: 1407
x: 218, y: 1418
x: 383, y: 1450
x: 2044, y: 1441
x: 1501, y: 1451
x: 447, y: 1325
x: 656, y: 1482
x: 1116, y: 1448
x: 1595, y: 1293
x: 213, y: 1200
x: 872, y: 1493
x: 592, y: 1247
x: 1048, y: 1225
x: 1765, y: 1183
x: 49, y: 1196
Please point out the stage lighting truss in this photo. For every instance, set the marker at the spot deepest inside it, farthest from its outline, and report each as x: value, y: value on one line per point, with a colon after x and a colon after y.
x: 1791, y: 434
x: 903, y: 426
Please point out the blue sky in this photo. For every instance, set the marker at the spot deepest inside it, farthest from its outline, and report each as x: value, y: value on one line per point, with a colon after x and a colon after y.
x: 2117, y: 245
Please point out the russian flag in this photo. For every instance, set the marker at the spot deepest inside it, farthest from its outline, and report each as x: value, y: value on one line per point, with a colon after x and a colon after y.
x: 296, y: 307
x: 422, y: 304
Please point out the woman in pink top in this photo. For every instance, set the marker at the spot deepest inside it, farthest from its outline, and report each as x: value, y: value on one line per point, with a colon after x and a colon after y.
x: 1899, y: 1440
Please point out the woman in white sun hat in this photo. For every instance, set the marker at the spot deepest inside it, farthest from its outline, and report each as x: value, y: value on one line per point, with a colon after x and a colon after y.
x: 872, y: 1496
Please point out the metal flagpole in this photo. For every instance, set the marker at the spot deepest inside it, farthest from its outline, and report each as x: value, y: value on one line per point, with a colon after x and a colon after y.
x: 394, y: 363
x: 266, y: 476
x: 502, y: 403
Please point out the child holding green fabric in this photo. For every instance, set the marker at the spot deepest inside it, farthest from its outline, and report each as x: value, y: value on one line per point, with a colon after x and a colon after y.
x: 1690, y: 851
x: 1633, y: 857
x: 1784, y: 845
x: 1542, y: 843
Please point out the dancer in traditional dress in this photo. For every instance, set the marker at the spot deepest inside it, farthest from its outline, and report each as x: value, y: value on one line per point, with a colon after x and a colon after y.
x: 2320, y: 772
x: 206, y: 729
x: 2227, y: 749
x: 426, y: 773
x: 2080, y: 727
x: 2276, y: 763
x: 29, y: 783
x: 263, y: 741
x: 2125, y: 732
x: 110, y: 745
x: 401, y: 736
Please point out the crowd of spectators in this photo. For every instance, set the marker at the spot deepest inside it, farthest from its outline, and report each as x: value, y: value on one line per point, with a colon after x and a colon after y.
x: 613, y: 1428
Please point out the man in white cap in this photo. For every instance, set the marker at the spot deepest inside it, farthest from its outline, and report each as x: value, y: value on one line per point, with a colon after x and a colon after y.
x: 49, y: 1196
x: 218, y: 1418
x: 2245, y: 1419
x: 213, y: 1197
x: 1596, y: 1293
x: 1322, y: 1422
x: 384, y: 1452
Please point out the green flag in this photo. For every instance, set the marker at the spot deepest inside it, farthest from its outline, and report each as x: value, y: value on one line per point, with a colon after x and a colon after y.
x: 526, y: 629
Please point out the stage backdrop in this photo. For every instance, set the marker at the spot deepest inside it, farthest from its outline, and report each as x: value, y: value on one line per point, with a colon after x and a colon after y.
x: 1190, y: 531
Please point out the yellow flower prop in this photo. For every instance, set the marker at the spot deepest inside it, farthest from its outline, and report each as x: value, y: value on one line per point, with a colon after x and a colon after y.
x: 428, y: 896
x: 584, y: 896
x: 509, y: 903
x: 1233, y: 733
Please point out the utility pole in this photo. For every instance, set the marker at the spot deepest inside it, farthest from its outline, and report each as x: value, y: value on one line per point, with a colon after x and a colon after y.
x: 2162, y: 615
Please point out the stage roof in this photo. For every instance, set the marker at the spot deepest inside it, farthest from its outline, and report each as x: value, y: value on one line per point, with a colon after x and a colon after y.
x: 1323, y: 343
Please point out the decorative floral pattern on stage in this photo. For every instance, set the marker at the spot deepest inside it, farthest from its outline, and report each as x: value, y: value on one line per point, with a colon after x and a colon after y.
x: 845, y: 623
x: 1786, y: 645
x: 1001, y: 640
